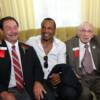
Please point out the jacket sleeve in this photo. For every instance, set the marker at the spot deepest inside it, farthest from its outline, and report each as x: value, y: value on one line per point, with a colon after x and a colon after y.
x: 68, y: 77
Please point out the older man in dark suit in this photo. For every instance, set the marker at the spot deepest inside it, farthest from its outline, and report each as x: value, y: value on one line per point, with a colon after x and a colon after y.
x: 83, y: 54
x: 19, y: 64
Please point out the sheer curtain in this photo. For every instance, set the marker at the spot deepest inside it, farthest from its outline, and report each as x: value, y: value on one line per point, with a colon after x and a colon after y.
x: 30, y: 13
x: 90, y: 11
x: 64, y: 12
x: 22, y: 10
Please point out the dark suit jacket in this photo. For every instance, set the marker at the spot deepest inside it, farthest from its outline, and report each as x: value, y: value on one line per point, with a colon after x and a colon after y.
x: 30, y: 65
x: 73, y: 60
x: 68, y: 78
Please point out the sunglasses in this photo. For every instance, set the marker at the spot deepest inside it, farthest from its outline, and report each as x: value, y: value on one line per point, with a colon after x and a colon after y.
x: 45, y: 61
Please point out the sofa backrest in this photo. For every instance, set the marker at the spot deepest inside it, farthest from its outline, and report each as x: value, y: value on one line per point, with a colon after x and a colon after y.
x: 62, y: 33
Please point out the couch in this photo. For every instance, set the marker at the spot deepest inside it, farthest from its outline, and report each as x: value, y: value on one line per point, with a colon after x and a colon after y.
x: 61, y: 33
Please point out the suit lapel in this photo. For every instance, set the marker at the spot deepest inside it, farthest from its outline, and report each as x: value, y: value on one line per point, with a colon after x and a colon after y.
x: 21, y: 50
x: 7, y: 59
x: 7, y: 55
x: 94, y: 53
x: 76, y: 59
x: 76, y: 45
x: 22, y: 53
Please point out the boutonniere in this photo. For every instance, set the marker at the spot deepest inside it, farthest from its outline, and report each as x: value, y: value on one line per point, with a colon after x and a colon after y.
x: 94, y: 47
x: 24, y: 47
x: 2, y: 51
x: 76, y: 52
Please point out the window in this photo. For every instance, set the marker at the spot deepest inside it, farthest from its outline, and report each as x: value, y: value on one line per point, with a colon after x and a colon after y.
x: 64, y: 12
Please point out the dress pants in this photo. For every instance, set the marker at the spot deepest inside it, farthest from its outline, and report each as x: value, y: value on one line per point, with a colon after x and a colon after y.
x: 20, y: 95
x: 61, y: 92
x: 66, y: 93
x: 50, y: 93
x: 90, y: 82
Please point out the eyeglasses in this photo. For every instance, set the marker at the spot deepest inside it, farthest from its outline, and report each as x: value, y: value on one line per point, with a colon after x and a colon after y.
x: 45, y: 61
x: 89, y: 31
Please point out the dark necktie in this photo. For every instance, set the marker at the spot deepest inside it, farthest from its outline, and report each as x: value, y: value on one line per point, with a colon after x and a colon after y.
x: 87, y: 61
x: 18, y: 71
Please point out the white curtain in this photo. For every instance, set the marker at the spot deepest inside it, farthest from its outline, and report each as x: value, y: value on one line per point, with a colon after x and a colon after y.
x: 64, y: 12
x: 22, y: 10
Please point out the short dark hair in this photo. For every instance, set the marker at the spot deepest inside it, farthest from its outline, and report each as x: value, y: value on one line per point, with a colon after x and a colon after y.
x: 2, y: 20
x: 50, y: 20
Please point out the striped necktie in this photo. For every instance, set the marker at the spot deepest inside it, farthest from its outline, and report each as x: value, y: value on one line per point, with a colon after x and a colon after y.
x: 17, y: 70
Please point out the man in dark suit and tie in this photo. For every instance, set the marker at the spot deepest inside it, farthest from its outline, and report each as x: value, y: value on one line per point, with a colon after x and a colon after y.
x: 83, y: 54
x: 19, y: 66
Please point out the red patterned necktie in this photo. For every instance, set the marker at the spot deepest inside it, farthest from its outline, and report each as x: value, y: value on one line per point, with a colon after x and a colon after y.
x: 87, y: 61
x: 18, y: 71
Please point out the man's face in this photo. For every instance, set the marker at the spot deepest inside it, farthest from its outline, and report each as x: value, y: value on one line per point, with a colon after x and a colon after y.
x: 10, y: 31
x: 47, y: 30
x: 86, y: 33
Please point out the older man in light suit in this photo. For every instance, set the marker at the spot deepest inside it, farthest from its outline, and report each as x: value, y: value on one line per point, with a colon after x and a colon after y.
x: 90, y: 78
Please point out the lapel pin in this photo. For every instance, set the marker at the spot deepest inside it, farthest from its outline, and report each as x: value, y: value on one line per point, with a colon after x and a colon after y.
x: 94, y: 47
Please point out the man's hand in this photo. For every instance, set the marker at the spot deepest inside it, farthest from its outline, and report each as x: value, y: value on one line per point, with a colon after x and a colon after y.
x: 7, y: 96
x: 79, y: 77
x: 39, y: 91
x: 55, y: 79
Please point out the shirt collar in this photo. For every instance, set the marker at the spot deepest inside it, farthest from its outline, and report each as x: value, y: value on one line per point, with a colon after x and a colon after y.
x: 81, y: 44
x: 9, y: 45
x: 54, y: 40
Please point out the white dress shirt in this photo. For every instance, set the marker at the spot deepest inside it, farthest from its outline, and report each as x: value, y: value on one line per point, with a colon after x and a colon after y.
x: 82, y: 51
x: 56, y: 55
x: 12, y: 82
